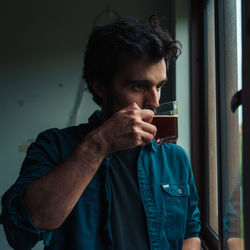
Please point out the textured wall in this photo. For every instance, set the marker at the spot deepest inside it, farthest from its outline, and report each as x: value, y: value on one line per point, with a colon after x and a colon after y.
x: 41, y: 52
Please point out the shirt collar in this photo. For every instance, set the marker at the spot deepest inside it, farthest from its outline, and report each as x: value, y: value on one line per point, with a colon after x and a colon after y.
x: 153, y: 145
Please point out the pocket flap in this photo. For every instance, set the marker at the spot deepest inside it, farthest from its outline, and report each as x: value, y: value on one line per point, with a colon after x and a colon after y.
x: 176, y: 189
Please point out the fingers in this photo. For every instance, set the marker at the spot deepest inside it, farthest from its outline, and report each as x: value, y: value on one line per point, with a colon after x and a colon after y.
x: 141, y: 118
x: 147, y: 115
x: 129, y: 127
x: 149, y: 128
x: 131, y: 107
x: 141, y: 128
x: 146, y: 138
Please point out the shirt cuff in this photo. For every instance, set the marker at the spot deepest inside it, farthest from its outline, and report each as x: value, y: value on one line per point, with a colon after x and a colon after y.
x: 192, y: 231
x: 18, y: 221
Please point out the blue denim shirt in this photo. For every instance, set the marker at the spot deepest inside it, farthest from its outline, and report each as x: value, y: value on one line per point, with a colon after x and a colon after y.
x: 166, y: 186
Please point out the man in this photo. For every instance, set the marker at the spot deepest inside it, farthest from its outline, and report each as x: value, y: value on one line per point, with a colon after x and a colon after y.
x: 107, y: 184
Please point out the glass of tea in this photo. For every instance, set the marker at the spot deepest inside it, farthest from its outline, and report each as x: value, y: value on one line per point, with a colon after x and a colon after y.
x: 166, y: 122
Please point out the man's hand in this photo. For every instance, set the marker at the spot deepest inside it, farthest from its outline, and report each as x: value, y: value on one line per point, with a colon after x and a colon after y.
x: 235, y: 243
x: 193, y: 243
x: 128, y: 128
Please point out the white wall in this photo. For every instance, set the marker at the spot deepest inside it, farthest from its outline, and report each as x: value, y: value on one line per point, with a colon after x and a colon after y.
x: 41, y: 52
x: 183, y: 75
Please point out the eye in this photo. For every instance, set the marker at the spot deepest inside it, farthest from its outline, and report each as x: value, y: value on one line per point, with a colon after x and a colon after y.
x: 138, y: 87
x: 160, y: 86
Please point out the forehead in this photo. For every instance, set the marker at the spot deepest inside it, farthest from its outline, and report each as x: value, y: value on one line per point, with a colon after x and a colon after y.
x: 142, y: 69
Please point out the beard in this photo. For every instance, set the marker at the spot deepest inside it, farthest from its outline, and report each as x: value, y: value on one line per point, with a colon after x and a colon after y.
x: 110, y: 104
x: 109, y: 107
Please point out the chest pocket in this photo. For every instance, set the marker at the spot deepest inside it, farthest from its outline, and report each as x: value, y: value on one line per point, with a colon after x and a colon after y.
x: 175, y: 208
x: 176, y: 190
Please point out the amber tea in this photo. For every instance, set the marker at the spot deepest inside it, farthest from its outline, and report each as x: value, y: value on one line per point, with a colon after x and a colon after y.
x: 167, y: 128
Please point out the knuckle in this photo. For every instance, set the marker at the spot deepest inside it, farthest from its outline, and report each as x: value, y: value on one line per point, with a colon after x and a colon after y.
x: 134, y: 105
x: 131, y: 113
x: 138, y: 141
x: 134, y: 130
x: 134, y: 122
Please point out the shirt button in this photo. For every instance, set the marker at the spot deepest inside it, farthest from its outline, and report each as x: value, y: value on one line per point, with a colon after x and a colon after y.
x: 179, y: 190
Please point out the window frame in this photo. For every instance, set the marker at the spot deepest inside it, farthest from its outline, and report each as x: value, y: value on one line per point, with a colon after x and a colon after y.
x: 199, y: 149
x: 245, y: 10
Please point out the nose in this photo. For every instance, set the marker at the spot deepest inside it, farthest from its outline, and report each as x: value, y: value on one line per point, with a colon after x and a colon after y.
x: 152, y: 99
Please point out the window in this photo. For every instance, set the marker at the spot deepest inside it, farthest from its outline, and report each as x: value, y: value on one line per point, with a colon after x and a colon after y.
x: 211, y: 117
x: 223, y: 128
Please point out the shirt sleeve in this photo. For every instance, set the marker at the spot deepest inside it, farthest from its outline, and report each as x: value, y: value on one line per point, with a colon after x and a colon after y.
x: 193, y: 215
x: 42, y: 156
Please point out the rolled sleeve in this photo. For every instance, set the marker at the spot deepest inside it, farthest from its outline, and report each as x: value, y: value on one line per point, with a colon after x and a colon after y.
x: 19, y: 228
x: 42, y: 156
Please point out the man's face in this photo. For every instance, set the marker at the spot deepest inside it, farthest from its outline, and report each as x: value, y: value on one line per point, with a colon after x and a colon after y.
x: 139, y: 81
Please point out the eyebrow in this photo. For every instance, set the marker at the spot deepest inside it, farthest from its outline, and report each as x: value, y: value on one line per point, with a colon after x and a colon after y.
x: 147, y: 82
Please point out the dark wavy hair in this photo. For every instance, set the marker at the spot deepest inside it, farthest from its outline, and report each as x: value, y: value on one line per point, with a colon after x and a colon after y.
x: 107, y: 45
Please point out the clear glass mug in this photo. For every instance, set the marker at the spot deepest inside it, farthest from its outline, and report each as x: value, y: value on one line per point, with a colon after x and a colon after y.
x: 166, y: 121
